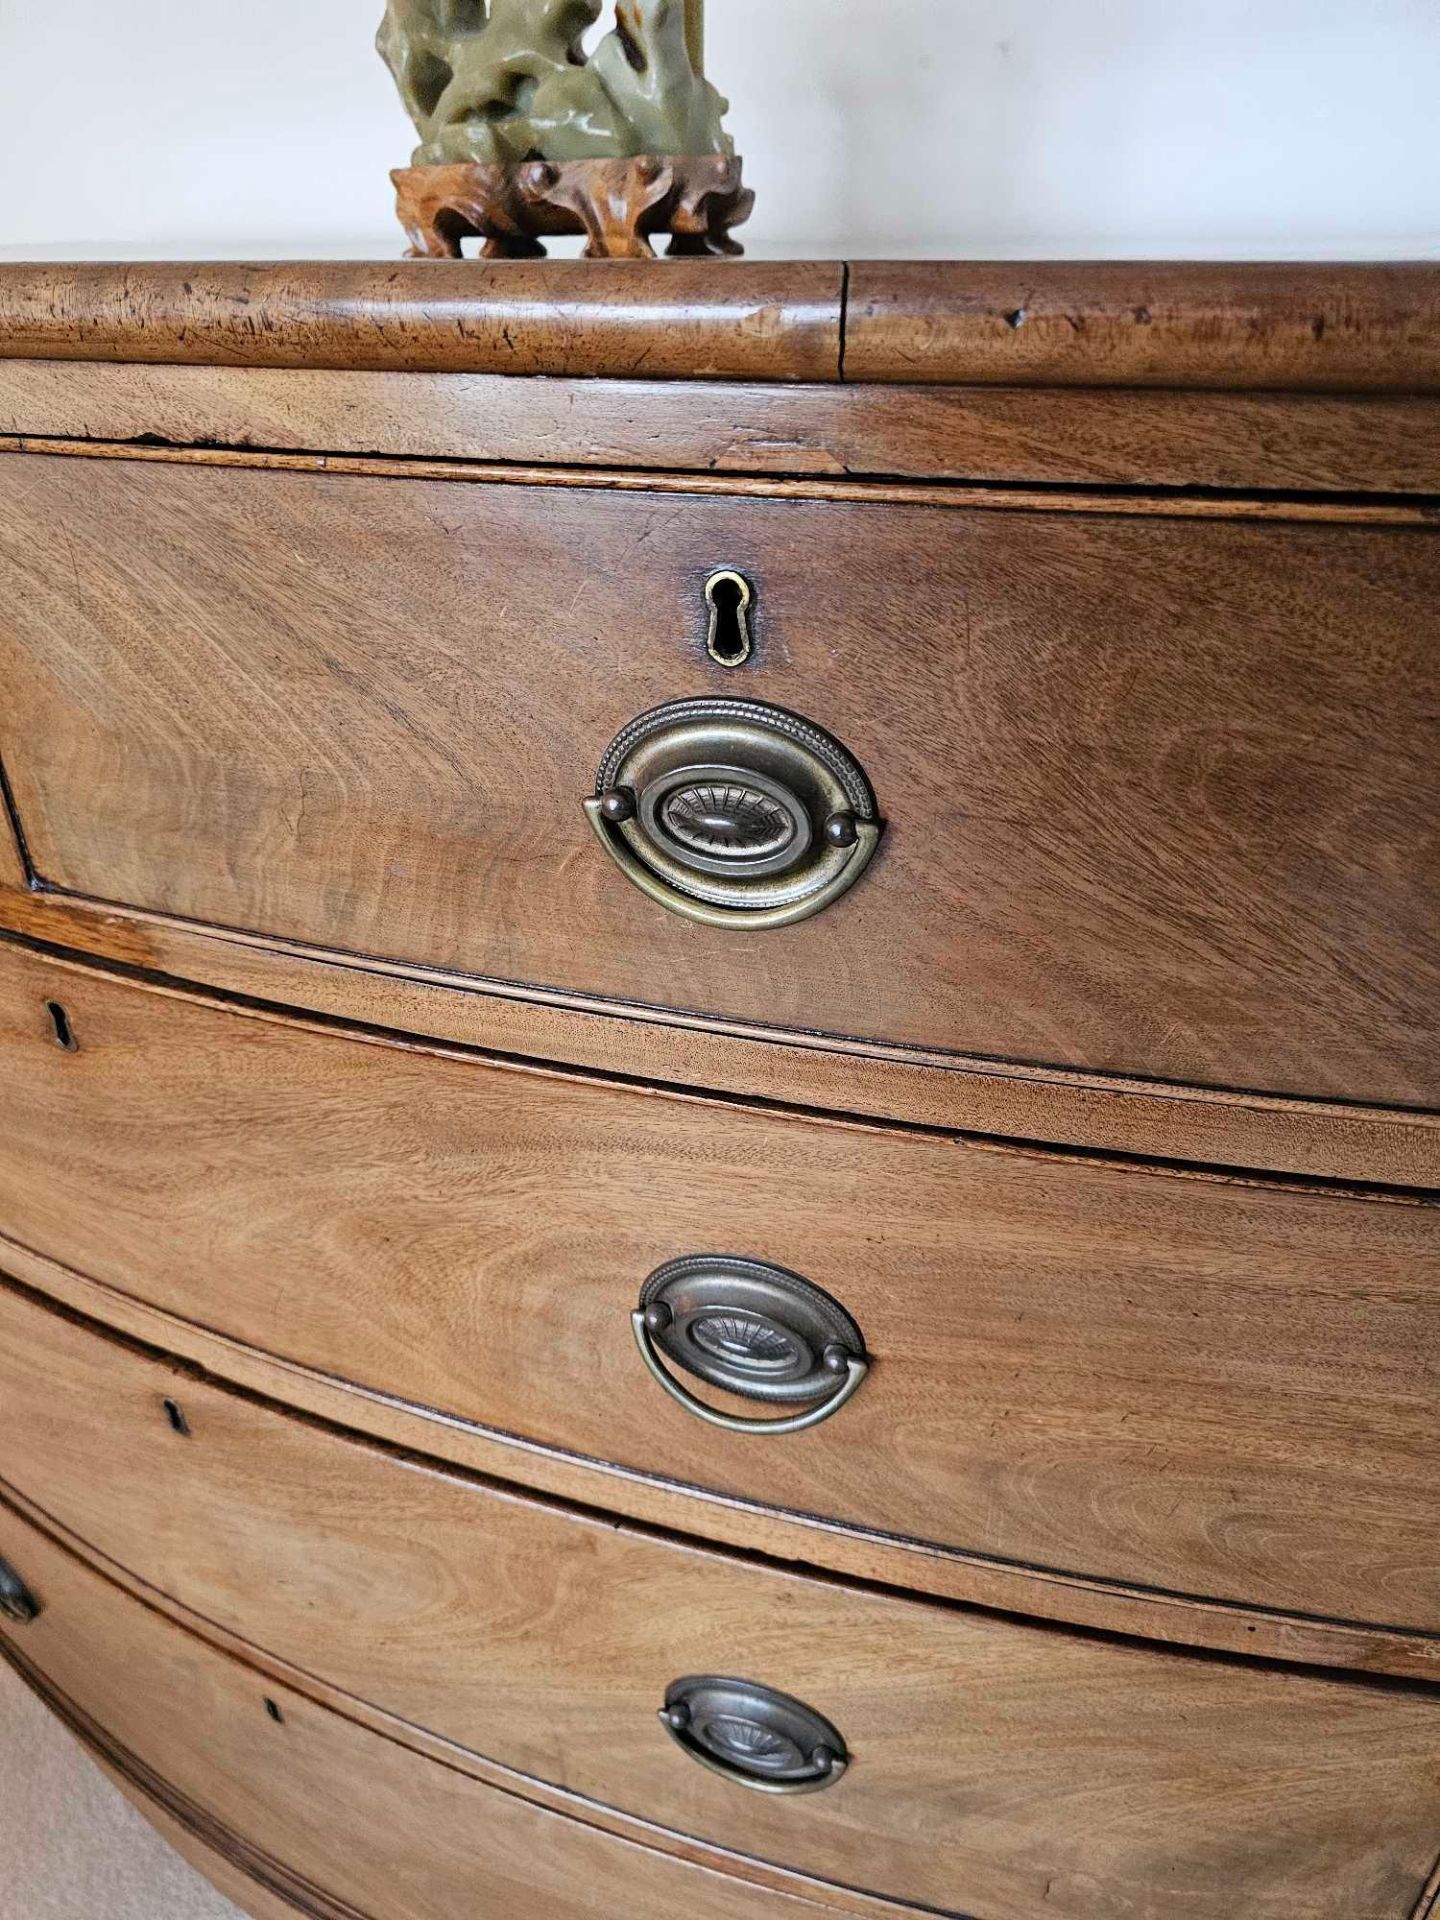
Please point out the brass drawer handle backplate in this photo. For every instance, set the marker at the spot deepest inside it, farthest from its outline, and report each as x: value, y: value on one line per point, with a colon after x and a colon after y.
x: 753, y: 1735
x: 17, y: 1602
x: 734, y: 813
x: 754, y: 1330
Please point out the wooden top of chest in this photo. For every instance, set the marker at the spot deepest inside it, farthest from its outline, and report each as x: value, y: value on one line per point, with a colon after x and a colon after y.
x: 1294, y: 328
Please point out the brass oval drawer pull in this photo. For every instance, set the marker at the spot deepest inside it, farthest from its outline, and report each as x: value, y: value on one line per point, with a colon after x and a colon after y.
x: 17, y: 1602
x: 734, y: 813
x: 751, y: 1329
x: 753, y: 1735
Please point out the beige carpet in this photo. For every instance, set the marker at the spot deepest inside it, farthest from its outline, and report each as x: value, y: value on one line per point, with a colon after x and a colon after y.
x: 71, y: 1847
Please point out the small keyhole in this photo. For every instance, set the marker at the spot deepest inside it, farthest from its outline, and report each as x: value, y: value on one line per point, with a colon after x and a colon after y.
x: 64, y: 1032
x: 175, y: 1414
x: 730, y: 598
x: 274, y: 1712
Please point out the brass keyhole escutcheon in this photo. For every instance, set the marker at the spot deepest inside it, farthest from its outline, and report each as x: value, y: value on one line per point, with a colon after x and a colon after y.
x: 731, y: 600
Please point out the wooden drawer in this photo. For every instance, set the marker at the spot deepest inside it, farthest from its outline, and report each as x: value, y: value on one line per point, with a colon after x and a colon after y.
x: 995, y: 1769
x: 1207, y: 1388
x: 1159, y: 791
x: 330, y: 1819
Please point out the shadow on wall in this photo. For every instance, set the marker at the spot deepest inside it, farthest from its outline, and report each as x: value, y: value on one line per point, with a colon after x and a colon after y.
x: 962, y: 127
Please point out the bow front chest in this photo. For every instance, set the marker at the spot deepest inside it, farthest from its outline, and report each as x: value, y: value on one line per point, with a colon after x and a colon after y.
x: 720, y: 1067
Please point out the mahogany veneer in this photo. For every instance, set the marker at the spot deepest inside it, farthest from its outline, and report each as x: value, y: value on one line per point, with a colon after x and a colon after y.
x: 1142, y: 817
x: 351, y: 1093
x: 1103, y: 1370
x: 1014, y: 1769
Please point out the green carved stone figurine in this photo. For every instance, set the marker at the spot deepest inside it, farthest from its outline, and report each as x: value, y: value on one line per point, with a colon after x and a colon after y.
x: 509, y: 81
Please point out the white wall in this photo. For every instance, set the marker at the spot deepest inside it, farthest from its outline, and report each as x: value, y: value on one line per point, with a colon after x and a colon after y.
x: 982, y: 127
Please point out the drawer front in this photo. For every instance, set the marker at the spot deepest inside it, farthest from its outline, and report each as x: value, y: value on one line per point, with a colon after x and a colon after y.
x: 1158, y: 793
x: 1207, y: 1388
x: 333, y: 1819
x: 1048, y: 1774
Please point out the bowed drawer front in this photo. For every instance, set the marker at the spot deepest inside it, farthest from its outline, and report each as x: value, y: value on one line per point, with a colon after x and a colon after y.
x: 1145, y: 795
x: 334, y: 1821
x: 907, y: 1750
x: 717, y: 1181
x: 1207, y: 1388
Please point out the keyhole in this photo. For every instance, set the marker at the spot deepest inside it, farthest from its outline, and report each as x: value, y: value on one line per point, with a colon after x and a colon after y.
x: 175, y: 1414
x: 60, y: 1022
x: 729, y: 597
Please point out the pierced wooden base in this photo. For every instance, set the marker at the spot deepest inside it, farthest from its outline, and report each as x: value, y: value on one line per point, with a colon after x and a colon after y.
x: 616, y: 204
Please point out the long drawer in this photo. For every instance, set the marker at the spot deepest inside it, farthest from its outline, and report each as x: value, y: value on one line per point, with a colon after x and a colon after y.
x: 995, y: 1770
x: 1157, y: 792
x: 1210, y: 1388
x: 332, y: 1820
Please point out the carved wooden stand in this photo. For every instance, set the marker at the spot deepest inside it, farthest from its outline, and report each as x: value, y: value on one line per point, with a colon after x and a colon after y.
x: 616, y: 204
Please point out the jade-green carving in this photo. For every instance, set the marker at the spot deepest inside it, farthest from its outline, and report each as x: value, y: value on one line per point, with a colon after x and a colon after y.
x: 510, y: 80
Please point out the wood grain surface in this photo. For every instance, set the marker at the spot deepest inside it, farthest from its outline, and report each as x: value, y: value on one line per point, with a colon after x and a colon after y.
x: 1158, y: 792
x: 996, y: 1770
x: 14, y: 869
x: 572, y: 1807
x: 902, y: 1565
x: 340, y: 1824
x: 1134, y: 323
x: 1304, y: 509
x: 1211, y: 1126
x: 307, y: 660
x: 1302, y: 327
x: 747, y: 320
x: 1351, y: 443
x: 1211, y: 1388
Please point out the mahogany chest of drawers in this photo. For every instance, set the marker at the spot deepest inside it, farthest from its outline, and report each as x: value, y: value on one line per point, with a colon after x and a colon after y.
x: 720, y: 1068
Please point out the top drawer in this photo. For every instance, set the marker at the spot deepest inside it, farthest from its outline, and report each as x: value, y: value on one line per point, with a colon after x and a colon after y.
x: 1158, y: 792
